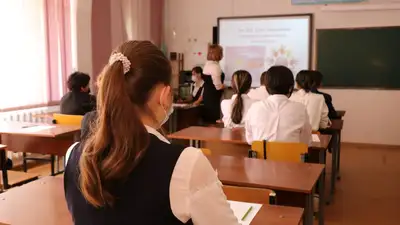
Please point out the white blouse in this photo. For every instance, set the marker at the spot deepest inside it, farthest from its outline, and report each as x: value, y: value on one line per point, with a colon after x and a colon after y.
x: 195, y: 191
x: 316, y: 108
x: 259, y: 93
x: 214, y: 69
x: 278, y: 119
x: 227, y: 106
x: 196, y: 87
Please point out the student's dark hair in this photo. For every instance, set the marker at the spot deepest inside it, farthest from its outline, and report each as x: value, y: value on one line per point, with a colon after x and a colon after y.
x: 78, y: 80
x: 119, y: 139
x: 241, y: 84
x: 279, y: 80
x: 304, y: 80
x: 263, y: 78
x: 317, y: 78
x: 197, y: 70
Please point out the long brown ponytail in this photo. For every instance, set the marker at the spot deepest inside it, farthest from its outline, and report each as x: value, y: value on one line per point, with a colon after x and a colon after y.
x: 119, y: 139
x: 241, y: 83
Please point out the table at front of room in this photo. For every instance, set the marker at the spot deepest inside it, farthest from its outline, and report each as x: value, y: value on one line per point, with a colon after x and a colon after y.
x: 294, y: 183
x: 43, y: 202
x: 19, y: 137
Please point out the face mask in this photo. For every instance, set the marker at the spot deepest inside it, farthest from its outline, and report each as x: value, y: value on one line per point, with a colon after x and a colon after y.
x: 194, y: 78
x: 167, y: 112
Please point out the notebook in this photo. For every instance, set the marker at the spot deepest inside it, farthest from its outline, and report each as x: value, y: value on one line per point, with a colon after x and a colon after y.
x: 241, y: 208
x: 315, y: 138
x: 36, y: 128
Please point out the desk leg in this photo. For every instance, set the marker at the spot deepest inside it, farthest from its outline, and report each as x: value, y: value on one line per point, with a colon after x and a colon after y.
x: 309, y: 209
x: 52, y: 161
x: 321, y: 187
x: 338, y: 155
x: 194, y: 143
x: 334, y: 169
x: 3, y: 163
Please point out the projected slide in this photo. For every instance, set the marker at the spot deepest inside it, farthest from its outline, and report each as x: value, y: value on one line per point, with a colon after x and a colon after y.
x: 255, y: 44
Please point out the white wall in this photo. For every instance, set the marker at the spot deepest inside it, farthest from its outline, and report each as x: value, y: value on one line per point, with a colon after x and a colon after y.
x: 372, y: 115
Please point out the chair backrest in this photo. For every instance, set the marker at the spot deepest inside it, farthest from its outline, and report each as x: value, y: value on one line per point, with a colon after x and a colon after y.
x: 246, y: 194
x: 206, y: 151
x: 65, y: 119
x: 280, y: 151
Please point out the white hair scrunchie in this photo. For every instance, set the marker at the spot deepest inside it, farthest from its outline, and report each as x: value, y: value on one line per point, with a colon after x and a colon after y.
x: 118, y: 56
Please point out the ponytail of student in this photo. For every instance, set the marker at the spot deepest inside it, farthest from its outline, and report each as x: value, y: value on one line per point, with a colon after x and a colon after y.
x: 119, y: 139
x: 304, y: 80
x: 241, y: 83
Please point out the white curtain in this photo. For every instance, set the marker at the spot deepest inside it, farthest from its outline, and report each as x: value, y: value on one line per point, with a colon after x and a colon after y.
x: 23, y: 59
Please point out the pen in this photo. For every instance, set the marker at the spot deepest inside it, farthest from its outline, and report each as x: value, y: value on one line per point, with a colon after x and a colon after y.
x: 247, y: 213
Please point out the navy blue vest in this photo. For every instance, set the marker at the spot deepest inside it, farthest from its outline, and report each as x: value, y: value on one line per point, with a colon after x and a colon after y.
x: 143, y: 199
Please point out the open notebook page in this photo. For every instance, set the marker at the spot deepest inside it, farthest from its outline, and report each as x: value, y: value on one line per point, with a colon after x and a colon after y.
x: 36, y: 128
x: 240, y: 209
x: 315, y: 138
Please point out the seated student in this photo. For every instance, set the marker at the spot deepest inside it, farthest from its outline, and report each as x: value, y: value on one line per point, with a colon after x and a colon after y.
x: 261, y: 92
x: 277, y: 118
x: 235, y: 109
x: 127, y: 172
x: 78, y: 101
x: 317, y: 78
x: 197, y: 91
x: 315, y: 103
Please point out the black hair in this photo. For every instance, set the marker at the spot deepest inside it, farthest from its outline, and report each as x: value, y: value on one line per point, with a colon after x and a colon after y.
x: 317, y: 78
x: 304, y: 80
x: 279, y: 80
x: 241, y: 84
x: 263, y: 78
x: 198, y: 70
x: 78, y: 80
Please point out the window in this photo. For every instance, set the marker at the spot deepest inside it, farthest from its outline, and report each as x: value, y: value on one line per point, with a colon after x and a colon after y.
x: 35, y: 56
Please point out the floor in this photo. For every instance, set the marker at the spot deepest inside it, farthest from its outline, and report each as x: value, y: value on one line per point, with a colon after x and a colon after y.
x: 368, y: 192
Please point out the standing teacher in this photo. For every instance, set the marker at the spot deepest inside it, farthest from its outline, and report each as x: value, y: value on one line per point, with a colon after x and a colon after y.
x: 213, y: 85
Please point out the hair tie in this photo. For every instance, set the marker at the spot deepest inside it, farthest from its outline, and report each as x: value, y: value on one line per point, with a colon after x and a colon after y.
x: 118, y: 56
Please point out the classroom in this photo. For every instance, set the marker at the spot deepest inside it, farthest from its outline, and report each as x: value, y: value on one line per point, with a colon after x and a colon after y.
x: 278, y: 112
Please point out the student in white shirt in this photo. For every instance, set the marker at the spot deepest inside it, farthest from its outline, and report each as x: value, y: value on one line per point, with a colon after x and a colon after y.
x: 316, y: 107
x: 277, y: 118
x: 127, y: 171
x: 213, y: 85
x: 261, y: 92
x: 234, y: 110
x: 197, y: 90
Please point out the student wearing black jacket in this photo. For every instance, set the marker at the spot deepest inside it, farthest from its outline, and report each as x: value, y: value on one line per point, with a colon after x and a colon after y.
x: 317, y: 77
x: 78, y: 101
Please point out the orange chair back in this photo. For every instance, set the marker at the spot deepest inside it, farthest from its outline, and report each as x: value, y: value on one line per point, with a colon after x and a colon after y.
x: 246, y: 194
x: 64, y: 119
x: 280, y: 151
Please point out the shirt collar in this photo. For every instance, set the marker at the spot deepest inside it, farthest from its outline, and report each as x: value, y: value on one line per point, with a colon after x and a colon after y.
x: 199, y: 84
x: 277, y: 97
x: 154, y: 132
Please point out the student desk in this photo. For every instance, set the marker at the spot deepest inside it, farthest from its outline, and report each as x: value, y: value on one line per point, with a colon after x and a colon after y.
x: 54, y: 141
x: 184, y: 115
x: 233, y: 136
x: 340, y: 113
x: 43, y: 202
x: 292, y: 182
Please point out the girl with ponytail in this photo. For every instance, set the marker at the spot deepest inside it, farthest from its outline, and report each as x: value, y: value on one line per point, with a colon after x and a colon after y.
x: 126, y: 172
x: 234, y: 110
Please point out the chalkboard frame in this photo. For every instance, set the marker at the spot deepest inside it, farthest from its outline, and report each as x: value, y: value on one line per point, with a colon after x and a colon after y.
x: 310, y: 32
x: 350, y: 87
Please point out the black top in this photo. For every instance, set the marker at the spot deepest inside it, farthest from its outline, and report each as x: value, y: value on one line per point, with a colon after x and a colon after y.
x: 198, y: 94
x: 328, y: 100
x: 211, y: 100
x: 77, y: 103
x: 142, y: 199
x: 88, y: 119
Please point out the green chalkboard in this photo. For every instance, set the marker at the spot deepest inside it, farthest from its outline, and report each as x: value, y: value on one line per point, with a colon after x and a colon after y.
x: 359, y: 58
